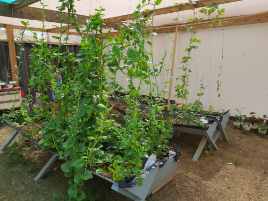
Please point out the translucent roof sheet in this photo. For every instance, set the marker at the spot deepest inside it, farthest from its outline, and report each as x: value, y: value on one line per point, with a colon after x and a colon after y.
x: 8, y: 1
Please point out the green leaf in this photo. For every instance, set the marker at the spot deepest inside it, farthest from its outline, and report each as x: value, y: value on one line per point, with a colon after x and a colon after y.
x: 137, y: 161
x: 110, y: 38
x: 87, y: 175
x: 90, y: 138
x: 147, y: 82
x: 132, y: 54
x: 157, y: 2
x: 149, y: 42
x: 99, y: 121
x: 138, y: 7
x: 72, y: 192
x: 99, y: 171
x: 116, y: 50
x: 140, y: 182
x: 80, y: 195
x: 118, y: 159
x: 96, y: 82
x: 68, y: 174
x: 79, y: 163
x: 77, y: 178
x: 66, y: 167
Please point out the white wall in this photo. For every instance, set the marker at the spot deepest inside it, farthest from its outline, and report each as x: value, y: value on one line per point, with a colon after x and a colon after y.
x: 244, y: 77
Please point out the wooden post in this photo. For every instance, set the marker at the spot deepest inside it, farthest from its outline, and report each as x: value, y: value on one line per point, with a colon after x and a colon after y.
x: 172, y: 67
x: 12, y: 52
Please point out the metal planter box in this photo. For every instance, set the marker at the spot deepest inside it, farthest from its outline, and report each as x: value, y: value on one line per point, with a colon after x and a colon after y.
x: 156, y: 179
x: 157, y: 176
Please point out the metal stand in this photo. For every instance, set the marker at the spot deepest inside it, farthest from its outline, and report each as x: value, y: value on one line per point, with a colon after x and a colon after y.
x: 209, y: 135
x: 48, y: 165
x: 12, y: 137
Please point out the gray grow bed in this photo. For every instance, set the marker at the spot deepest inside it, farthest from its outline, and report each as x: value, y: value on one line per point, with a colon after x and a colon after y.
x: 155, y: 177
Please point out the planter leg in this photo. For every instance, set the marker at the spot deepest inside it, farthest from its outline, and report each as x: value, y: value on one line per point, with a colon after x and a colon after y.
x: 223, y: 134
x: 215, y: 136
x: 200, y: 148
x: 12, y: 137
x: 48, y: 165
x: 210, y: 140
x: 177, y: 134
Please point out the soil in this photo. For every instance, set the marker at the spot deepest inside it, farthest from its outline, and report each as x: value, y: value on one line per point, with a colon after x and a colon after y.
x: 144, y: 113
x: 237, y: 171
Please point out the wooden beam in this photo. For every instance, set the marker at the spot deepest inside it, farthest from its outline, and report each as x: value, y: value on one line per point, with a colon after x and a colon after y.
x: 231, y: 21
x: 2, y: 40
x: 12, y: 52
x: 23, y: 4
x: 22, y: 27
x: 172, y: 67
x: 57, y: 30
x: 32, y: 13
x: 5, y: 9
x: 171, y: 9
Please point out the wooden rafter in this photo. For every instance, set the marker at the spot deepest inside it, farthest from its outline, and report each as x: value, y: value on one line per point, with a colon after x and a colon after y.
x: 32, y: 13
x: 57, y: 30
x: 1, y: 40
x: 231, y: 21
x: 171, y: 9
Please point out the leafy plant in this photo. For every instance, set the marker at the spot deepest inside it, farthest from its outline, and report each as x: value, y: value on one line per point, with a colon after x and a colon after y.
x: 262, y: 127
x: 239, y: 118
x: 83, y: 120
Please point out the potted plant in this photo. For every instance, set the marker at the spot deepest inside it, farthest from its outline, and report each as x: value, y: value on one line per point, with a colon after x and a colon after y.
x: 254, y: 125
x: 262, y: 130
x: 246, y: 127
x: 239, y: 119
x: 2, y: 84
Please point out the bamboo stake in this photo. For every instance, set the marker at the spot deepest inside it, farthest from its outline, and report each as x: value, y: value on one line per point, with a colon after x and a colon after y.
x: 172, y: 67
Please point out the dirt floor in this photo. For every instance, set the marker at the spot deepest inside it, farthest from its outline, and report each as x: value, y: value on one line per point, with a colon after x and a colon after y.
x: 237, y: 171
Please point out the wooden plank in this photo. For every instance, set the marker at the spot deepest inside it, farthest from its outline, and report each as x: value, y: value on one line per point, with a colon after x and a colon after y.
x: 34, y: 29
x: 57, y: 30
x: 231, y: 21
x: 32, y: 13
x: 23, y: 4
x: 172, y: 67
x: 12, y: 52
x: 171, y: 9
x: 22, y: 27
